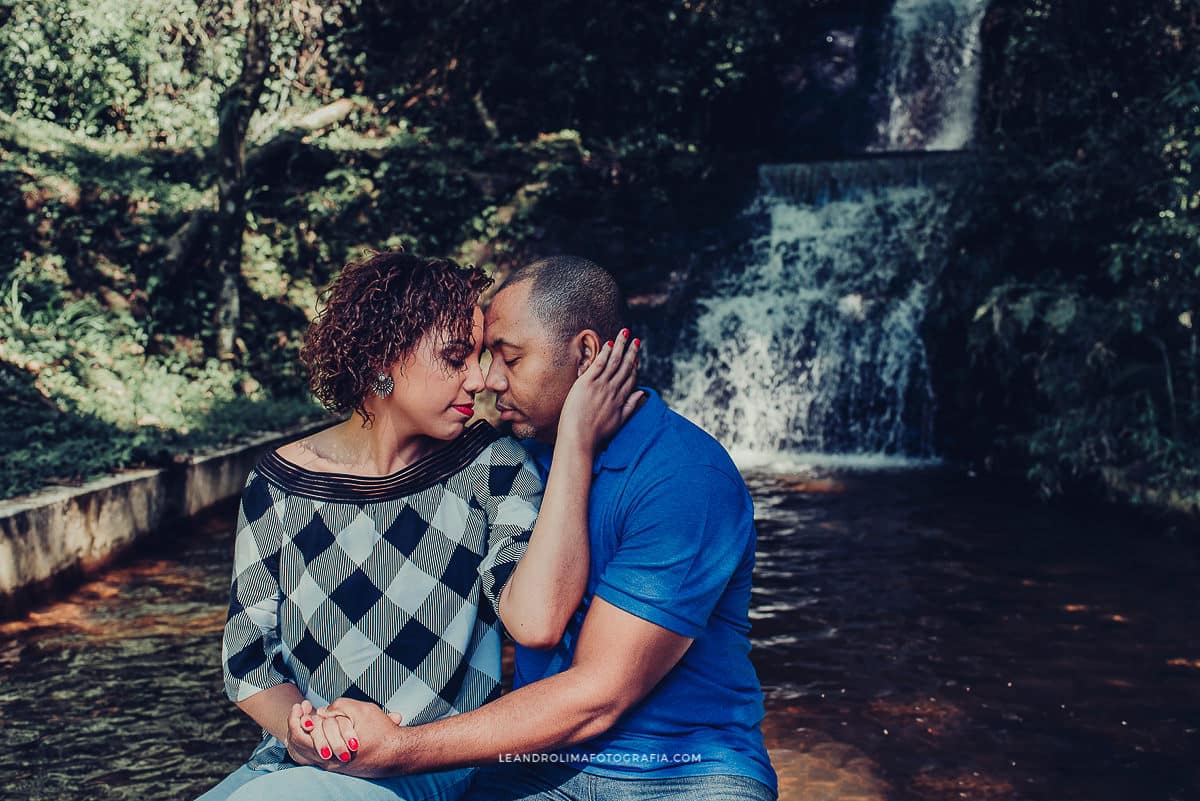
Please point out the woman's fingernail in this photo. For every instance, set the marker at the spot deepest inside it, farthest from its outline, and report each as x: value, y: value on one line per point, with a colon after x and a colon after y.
x: 624, y: 332
x: 344, y: 756
x: 353, y: 743
x: 608, y: 343
x: 308, y: 724
x: 637, y: 342
x: 326, y: 753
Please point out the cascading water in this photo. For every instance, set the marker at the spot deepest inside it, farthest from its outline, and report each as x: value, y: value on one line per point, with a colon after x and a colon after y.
x: 811, y: 344
x: 931, y: 78
x: 807, y: 349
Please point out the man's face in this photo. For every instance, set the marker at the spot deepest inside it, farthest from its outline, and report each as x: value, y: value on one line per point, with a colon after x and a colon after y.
x: 531, y: 372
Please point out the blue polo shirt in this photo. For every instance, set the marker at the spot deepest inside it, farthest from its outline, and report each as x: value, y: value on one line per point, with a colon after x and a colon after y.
x: 671, y: 527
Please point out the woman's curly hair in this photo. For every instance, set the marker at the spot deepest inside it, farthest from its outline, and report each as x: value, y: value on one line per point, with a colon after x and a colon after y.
x: 375, y: 312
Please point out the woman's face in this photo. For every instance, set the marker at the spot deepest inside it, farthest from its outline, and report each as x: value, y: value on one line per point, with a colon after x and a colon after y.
x: 436, y: 383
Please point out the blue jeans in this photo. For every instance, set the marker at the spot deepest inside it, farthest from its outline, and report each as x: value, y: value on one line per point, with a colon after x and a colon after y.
x: 314, y: 784
x: 549, y: 782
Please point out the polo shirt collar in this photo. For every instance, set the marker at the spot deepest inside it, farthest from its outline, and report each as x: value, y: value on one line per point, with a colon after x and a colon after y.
x: 625, y: 445
x: 631, y: 440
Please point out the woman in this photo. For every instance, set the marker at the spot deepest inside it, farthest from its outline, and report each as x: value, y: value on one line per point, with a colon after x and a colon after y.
x: 378, y: 558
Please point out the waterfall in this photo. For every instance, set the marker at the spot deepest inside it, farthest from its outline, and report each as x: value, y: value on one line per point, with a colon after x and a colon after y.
x: 812, y: 346
x: 809, y: 343
x: 931, y: 75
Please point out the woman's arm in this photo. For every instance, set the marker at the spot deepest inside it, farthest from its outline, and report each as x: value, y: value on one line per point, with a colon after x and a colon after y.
x: 549, y: 581
x: 256, y: 679
x: 271, y: 708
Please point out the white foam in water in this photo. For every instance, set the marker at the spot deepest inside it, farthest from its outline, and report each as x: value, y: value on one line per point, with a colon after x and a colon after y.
x: 819, y: 462
x: 813, y: 347
x: 809, y: 354
x: 931, y: 77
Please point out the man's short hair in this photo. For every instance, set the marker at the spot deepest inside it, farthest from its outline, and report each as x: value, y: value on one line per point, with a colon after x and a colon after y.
x: 570, y: 294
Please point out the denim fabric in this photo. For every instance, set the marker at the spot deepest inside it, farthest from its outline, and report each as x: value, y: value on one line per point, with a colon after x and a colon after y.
x: 314, y: 784
x: 558, y: 783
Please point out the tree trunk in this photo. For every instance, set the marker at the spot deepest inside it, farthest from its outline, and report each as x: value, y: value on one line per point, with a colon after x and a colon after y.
x: 238, y: 104
x: 186, y: 248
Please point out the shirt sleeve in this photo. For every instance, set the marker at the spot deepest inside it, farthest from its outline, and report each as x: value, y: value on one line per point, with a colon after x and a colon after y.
x: 511, y: 503
x: 251, y: 653
x: 682, y: 541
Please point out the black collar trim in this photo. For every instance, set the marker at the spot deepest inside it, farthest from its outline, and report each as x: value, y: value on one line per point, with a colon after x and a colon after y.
x: 422, y: 474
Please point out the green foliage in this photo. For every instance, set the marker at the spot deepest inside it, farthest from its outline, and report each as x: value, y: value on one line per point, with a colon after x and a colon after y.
x: 88, y: 390
x: 605, y: 69
x: 152, y: 71
x: 1083, y: 309
x: 116, y: 67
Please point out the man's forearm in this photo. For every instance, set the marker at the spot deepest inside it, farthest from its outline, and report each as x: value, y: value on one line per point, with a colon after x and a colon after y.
x: 552, y: 713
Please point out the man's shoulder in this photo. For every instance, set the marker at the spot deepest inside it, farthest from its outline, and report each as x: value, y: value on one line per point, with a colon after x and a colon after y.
x: 680, y: 444
x: 684, y: 456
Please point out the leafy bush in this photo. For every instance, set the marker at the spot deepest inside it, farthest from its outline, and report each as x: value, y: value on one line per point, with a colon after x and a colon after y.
x: 87, y: 390
x: 1085, y: 291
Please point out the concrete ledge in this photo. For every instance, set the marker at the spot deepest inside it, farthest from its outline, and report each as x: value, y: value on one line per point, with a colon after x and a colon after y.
x: 54, y: 538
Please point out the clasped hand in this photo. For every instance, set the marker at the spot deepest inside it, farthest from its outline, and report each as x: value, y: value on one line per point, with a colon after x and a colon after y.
x: 333, y: 738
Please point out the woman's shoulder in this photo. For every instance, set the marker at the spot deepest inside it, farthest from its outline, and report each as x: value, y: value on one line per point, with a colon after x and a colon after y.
x: 293, y: 451
x: 503, y: 449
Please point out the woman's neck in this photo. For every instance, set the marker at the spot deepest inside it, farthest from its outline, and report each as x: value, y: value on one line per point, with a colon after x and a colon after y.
x: 384, y: 448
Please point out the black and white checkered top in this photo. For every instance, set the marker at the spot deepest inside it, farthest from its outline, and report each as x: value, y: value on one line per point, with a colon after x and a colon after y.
x: 379, y: 589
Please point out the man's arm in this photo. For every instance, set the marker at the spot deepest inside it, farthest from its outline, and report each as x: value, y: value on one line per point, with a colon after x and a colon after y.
x: 619, y: 659
x: 679, y: 549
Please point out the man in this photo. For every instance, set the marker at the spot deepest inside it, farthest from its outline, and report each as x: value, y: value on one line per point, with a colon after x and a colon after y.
x: 652, y: 680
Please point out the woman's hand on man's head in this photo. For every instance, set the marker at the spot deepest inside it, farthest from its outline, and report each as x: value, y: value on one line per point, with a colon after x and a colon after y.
x: 605, y: 394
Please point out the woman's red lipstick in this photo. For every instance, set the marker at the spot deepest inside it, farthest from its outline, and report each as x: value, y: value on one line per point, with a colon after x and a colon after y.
x: 465, y: 410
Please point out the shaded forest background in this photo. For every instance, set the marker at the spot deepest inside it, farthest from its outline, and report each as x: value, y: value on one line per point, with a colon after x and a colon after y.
x: 180, y: 179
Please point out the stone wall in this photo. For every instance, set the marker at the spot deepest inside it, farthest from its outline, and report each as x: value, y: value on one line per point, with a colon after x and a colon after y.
x: 54, y: 538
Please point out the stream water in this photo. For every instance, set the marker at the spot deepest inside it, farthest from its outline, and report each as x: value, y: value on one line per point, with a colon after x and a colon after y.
x: 917, y: 636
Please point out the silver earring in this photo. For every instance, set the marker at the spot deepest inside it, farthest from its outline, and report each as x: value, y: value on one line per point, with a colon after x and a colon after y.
x: 384, y: 385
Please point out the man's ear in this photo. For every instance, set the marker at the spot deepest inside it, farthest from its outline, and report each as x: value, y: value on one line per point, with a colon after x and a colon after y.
x: 587, y: 345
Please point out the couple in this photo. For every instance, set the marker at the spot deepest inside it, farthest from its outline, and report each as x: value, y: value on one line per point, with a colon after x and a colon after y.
x: 377, y: 561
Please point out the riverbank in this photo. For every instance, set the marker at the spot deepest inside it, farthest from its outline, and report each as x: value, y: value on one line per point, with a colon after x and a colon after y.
x: 53, y: 539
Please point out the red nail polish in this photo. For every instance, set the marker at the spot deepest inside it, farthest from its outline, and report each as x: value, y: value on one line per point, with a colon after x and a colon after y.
x: 637, y: 342
x: 326, y: 753
x: 609, y: 343
x: 353, y: 743
x: 308, y: 724
x: 624, y: 332
x: 344, y: 756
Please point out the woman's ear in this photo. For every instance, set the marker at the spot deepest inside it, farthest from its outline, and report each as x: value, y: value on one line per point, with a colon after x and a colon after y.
x: 587, y: 346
